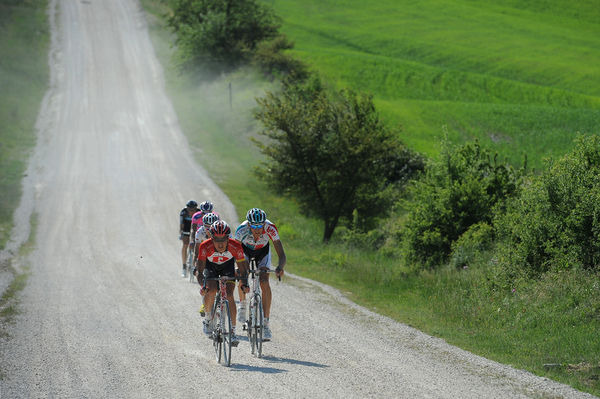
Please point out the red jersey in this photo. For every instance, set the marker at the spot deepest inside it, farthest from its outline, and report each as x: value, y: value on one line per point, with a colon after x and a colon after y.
x: 208, y: 252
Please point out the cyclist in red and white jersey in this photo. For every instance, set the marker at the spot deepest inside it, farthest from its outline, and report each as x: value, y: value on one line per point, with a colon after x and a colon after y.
x: 254, y: 234
x: 217, y: 257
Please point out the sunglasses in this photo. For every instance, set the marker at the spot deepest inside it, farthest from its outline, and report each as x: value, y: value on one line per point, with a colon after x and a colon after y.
x: 256, y: 226
x: 220, y: 239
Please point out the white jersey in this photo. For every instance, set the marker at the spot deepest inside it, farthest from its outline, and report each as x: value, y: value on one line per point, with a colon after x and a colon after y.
x: 244, y: 235
x: 201, y: 235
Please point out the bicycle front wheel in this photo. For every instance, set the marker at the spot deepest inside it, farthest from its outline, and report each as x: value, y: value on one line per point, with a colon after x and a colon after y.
x: 216, y: 333
x: 227, y: 333
x: 256, y: 338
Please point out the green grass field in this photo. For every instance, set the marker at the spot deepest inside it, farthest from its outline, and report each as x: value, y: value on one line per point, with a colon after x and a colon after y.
x: 24, y: 39
x: 522, y: 78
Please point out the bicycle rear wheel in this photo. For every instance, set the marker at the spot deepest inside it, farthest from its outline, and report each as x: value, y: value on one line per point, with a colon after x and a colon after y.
x: 226, y: 333
x: 190, y: 264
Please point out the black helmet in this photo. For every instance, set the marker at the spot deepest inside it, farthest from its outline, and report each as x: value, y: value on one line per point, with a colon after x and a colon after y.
x: 191, y: 204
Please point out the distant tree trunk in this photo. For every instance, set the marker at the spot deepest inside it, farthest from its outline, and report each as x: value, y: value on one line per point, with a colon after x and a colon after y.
x: 328, y: 232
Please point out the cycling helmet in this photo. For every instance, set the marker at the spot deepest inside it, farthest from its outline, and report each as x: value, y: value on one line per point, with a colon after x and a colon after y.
x: 256, y: 216
x: 197, y: 217
x: 206, y: 206
x: 220, y: 229
x: 209, y: 219
x: 191, y: 204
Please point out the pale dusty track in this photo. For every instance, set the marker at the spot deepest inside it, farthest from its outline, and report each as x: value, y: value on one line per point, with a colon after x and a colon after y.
x: 105, y: 313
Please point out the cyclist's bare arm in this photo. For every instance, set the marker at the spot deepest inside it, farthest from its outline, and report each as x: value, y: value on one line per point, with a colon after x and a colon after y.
x: 243, y: 269
x: 200, y: 265
x: 281, y: 255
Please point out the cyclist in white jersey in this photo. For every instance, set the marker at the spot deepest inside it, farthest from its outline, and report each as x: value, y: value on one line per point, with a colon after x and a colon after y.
x: 203, y: 234
x: 254, y: 234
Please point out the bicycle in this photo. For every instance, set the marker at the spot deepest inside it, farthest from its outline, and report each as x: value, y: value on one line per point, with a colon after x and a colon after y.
x: 221, y: 322
x: 190, y: 263
x: 255, y: 322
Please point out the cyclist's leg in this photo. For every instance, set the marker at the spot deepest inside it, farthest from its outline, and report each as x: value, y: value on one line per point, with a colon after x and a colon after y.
x: 212, y: 287
x: 184, y: 248
x: 265, y: 264
x: 232, y: 309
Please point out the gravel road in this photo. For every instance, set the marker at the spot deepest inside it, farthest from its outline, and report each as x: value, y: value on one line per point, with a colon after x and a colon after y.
x: 105, y: 312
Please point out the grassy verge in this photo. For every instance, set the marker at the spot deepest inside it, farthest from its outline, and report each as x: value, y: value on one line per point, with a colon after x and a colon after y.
x: 24, y: 40
x: 528, y: 328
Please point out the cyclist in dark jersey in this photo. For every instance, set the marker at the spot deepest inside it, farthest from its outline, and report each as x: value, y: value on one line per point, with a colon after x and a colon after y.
x: 185, y: 224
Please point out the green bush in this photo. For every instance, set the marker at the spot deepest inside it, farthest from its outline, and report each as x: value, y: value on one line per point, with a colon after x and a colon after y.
x: 555, y: 223
x: 456, y: 192
x: 216, y: 35
x: 470, y: 244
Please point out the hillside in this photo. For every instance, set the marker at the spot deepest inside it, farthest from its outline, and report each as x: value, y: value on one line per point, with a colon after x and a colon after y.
x: 520, y: 78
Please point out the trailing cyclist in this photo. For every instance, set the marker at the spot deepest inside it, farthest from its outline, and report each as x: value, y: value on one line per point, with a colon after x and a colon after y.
x: 216, y: 258
x: 254, y: 234
x: 185, y: 223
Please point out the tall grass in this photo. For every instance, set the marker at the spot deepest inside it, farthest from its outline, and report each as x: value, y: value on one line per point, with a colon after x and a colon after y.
x: 24, y: 42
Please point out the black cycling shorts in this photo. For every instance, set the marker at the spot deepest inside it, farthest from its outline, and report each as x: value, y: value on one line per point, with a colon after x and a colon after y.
x: 225, y: 269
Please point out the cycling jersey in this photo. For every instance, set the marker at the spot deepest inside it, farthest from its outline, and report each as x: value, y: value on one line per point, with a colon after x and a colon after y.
x: 201, y: 234
x: 221, y: 263
x: 258, y: 249
x: 185, y: 219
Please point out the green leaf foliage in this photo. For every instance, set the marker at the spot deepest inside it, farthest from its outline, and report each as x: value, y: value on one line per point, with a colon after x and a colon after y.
x: 272, y: 61
x: 331, y: 153
x: 216, y: 35
x: 555, y: 223
x: 460, y: 190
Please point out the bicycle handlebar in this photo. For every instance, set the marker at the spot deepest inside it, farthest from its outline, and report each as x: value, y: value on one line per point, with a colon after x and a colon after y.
x: 257, y: 270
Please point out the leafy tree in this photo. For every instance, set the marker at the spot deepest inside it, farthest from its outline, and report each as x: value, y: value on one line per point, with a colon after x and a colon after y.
x: 271, y: 59
x: 460, y: 190
x: 216, y: 34
x: 330, y: 152
x: 555, y: 223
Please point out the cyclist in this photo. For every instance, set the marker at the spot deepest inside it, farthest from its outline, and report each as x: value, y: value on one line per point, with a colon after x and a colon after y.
x: 185, y: 223
x: 204, y: 208
x: 203, y: 232
x: 217, y: 257
x: 254, y: 234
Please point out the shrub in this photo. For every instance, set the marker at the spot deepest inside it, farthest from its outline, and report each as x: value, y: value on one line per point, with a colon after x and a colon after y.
x: 456, y: 192
x: 471, y: 244
x: 220, y: 34
x: 555, y: 223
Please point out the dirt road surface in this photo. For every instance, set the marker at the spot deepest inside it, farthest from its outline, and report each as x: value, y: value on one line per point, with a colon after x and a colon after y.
x: 105, y: 313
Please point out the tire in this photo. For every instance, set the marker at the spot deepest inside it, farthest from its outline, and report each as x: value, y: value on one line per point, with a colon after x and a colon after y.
x: 259, y: 327
x: 226, y: 333
x: 190, y: 265
x: 255, y: 327
x: 216, y: 334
